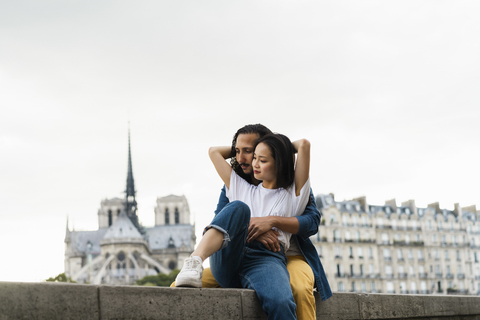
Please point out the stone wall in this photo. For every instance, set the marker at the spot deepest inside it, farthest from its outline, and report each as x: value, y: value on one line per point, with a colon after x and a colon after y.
x: 74, y: 301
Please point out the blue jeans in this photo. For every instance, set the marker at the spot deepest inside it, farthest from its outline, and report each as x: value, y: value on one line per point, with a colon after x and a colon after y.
x: 250, y: 265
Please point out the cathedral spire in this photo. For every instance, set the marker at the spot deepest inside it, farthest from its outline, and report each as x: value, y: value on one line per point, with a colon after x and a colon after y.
x: 130, y: 202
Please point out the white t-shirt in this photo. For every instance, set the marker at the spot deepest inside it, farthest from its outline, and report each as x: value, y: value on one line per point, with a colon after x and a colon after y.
x: 269, y: 202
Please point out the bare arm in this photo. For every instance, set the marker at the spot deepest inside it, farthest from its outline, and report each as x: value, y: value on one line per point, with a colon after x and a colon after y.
x: 302, y: 168
x: 218, y: 156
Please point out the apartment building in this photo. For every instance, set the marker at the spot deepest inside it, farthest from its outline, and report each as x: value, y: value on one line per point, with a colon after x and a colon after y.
x: 399, y: 249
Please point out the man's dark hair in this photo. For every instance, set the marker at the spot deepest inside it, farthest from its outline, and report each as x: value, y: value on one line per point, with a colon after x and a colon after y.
x: 259, y: 129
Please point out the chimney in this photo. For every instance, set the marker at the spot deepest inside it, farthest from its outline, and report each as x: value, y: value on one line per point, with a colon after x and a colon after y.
x: 392, y: 203
x: 363, y: 202
x: 457, y: 210
x: 435, y: 206
x: 411, y: 204
x: 469, y: 209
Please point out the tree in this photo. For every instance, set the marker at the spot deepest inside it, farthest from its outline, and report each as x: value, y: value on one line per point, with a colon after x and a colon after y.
x: 60, y: 278
x: 160, y: 280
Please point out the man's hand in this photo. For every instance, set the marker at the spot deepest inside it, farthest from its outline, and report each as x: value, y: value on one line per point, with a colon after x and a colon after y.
x: 270, y: 240
x: 259, y: 226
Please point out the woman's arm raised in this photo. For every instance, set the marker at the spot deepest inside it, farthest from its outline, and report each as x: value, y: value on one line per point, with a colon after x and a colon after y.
x: 302, y: 168
x: 218, y: 156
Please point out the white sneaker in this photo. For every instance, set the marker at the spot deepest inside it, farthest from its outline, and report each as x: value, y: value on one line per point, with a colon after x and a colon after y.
x: 191, y: 274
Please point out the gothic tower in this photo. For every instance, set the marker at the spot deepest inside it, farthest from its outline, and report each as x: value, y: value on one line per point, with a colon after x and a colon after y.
x: 130, y: 202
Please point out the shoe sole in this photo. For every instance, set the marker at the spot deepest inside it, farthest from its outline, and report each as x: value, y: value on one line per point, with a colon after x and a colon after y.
x: 188, y: 283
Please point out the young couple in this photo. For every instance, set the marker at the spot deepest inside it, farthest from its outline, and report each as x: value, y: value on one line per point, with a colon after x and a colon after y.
x: 259, y: 237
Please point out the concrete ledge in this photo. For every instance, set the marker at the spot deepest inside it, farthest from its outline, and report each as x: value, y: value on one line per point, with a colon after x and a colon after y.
x: 74, y: 301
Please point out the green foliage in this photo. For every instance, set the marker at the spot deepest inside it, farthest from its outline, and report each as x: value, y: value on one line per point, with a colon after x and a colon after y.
x: 160, y: 280
x: 60, y: 278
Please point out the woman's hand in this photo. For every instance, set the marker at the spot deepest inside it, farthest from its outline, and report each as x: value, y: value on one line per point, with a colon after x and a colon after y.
x: 270, y: 240
x: 259, y: 226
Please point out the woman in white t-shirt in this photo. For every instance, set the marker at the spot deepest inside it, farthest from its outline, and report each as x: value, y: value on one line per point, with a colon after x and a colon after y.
x: 284, y: 191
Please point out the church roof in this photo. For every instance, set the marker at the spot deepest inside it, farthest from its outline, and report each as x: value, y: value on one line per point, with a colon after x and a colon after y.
x: 159, y: 236
x: 122, y: 228
x: 80, y: 240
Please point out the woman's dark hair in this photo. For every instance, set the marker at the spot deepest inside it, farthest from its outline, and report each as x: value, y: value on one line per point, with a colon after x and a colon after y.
x: 259, y: 129
x: 283, y: 153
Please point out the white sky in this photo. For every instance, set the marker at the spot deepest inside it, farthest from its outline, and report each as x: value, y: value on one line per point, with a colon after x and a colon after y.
x: 386, y: 91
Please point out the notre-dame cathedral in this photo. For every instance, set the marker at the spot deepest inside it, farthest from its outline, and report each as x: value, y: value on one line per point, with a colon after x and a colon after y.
x: 122, y: 251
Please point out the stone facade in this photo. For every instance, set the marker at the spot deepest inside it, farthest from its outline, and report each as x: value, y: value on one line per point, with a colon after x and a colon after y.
x: 404, y: 249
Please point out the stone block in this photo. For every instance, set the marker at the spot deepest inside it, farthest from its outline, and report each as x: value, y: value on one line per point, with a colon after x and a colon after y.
x: 48, y: 301
x: 251, y: 307
x: 132, y: 302
x: 446, y: 305
x: 339, y: 306
x: 390, y: 306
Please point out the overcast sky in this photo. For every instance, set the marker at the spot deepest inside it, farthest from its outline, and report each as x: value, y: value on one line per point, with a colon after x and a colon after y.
x: 386, y: 91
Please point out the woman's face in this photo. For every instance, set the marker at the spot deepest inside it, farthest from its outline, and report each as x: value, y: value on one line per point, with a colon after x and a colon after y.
x: 264, y: 165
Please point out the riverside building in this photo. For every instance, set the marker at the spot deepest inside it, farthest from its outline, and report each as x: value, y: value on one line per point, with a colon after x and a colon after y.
x: 399, y: 249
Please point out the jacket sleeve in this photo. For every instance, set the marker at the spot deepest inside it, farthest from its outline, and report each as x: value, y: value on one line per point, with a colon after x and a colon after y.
x: 222, y: 201
x: 309, y: 220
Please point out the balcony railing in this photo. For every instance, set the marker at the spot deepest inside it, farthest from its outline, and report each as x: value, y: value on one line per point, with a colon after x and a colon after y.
x: 383, y: 227
x: 339, y: 275
x: 461, y: 276
x: 438, y: 275
x: 388, y: 258
x: 423, y: 275
x: 449, y: 276
x: 402, y: 275
x: 404, y: 291
x: 414, y: 291
x: 338, y: 256
x: 389, y: 276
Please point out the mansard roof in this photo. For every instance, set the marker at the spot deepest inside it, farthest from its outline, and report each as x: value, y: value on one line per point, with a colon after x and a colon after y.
x: 159, y: 236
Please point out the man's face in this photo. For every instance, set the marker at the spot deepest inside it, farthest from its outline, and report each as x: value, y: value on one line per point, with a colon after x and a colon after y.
x: 244, y: 151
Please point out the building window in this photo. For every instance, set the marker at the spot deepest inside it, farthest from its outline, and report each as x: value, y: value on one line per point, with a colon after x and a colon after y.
x: 110, y: 218
x: 341, y: 287
x: 373, y: 287
x: 167, y: 216
x: 353, y: 287
x: 336, y: 236
x: 347, y: 236
x: 177, y: 216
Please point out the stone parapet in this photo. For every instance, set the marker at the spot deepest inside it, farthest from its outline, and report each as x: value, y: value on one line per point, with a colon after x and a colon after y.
x: 75, y: 301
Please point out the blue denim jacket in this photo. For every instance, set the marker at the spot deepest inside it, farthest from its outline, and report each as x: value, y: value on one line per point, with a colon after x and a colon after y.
x: 308, y: 226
